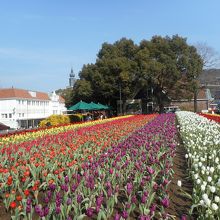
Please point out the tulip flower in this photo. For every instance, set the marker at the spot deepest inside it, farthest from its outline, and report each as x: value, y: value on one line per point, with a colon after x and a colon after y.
x: 13, y: 205
x: 165, y: 202
x: 150, y: 170
x: 89, y: 212
x: 117, y: 216
x: 79, y: 198
x: 69, y: 201
x: 145, y: 217
x: 57, y: 210
x: 129, y: 188
x: 124, y: 214
x: 179, y: 183
x: 37, y: 209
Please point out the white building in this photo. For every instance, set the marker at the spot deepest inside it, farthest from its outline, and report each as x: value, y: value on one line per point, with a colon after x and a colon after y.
x: 21, y: 108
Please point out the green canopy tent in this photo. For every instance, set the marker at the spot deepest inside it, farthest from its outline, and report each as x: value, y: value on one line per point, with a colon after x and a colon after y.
x: 95, y: 106
x: 80, y: 106
x: 104, y: 106
x: 88, y: 106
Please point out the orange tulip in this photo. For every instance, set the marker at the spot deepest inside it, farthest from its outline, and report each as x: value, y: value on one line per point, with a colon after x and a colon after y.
x: 19, y: 198
x: 7, y: 195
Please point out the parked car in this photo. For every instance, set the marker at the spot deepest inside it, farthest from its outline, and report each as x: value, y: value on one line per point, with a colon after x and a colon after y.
x: 217, y: 111
x: 171, y: 109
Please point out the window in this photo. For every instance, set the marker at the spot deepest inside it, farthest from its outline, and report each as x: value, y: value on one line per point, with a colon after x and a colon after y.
x: 22, y: 114
x: 10, y: 115
x: 19, y: 102
x: 19, y: 115
x: 22, y: 102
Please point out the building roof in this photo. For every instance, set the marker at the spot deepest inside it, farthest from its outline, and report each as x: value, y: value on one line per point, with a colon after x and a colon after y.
x: 61, y: 99
x: 3, y: 127
x: 204, y: 94
x: 201, y: 94
x: 21, y: 93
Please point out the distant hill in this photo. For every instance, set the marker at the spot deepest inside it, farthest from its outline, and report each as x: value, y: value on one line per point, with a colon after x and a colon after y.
x: 211, y: 79
x: 210, y: 76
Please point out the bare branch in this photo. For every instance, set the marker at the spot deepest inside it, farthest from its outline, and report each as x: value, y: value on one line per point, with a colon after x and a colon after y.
x: 210, y: 57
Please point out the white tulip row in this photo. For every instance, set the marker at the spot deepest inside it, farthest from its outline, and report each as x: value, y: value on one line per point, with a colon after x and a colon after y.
x: 201, y: 138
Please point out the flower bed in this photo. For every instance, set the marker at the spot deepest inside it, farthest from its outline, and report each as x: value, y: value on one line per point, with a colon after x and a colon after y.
x: 201, y: 137
x: 28, y: 167
x: 37, y: 133
x: 128, y: 179
x: 213, y: 117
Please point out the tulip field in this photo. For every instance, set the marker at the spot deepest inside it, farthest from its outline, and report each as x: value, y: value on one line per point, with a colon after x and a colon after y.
x: 117, y: 168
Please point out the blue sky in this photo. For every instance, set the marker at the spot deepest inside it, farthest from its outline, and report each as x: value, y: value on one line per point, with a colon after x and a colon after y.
x: 40, y: 40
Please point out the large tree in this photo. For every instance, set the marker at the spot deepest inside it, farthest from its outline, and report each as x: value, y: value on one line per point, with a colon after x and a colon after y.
x: 116, y: 68
x: 82, y: 90
x: 168, y: 65
x: 172, y: 68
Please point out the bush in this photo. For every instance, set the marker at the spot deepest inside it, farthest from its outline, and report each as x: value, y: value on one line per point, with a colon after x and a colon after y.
x: 76, y: 118
x: 54, y: 120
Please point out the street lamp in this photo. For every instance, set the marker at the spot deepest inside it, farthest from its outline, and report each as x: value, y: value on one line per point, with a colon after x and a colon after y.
x: 27, y: 114
x: 195, y: 95
x: 120, y: 98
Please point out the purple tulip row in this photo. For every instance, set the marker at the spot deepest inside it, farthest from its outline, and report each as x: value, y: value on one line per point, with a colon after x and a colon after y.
x: 127, y: 180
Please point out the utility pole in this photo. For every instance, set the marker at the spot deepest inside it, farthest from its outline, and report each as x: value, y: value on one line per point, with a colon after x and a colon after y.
x: 27, y: 113
x: 195, y: 95
x: 120, y: 99
x: 195, y: 100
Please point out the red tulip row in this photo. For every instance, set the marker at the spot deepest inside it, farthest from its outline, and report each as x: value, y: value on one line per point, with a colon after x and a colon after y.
x: 215, y: 118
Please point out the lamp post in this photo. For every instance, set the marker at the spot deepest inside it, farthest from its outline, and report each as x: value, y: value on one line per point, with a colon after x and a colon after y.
x: 27, y: 113
x: 120, y: 98
x: 195, y: 95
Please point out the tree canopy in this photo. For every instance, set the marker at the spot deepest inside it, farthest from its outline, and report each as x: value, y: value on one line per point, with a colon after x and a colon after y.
x: 168, y: 65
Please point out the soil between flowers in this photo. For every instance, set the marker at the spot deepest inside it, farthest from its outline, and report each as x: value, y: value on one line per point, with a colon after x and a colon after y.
x: 180, y: 204
x: 3, y: 214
